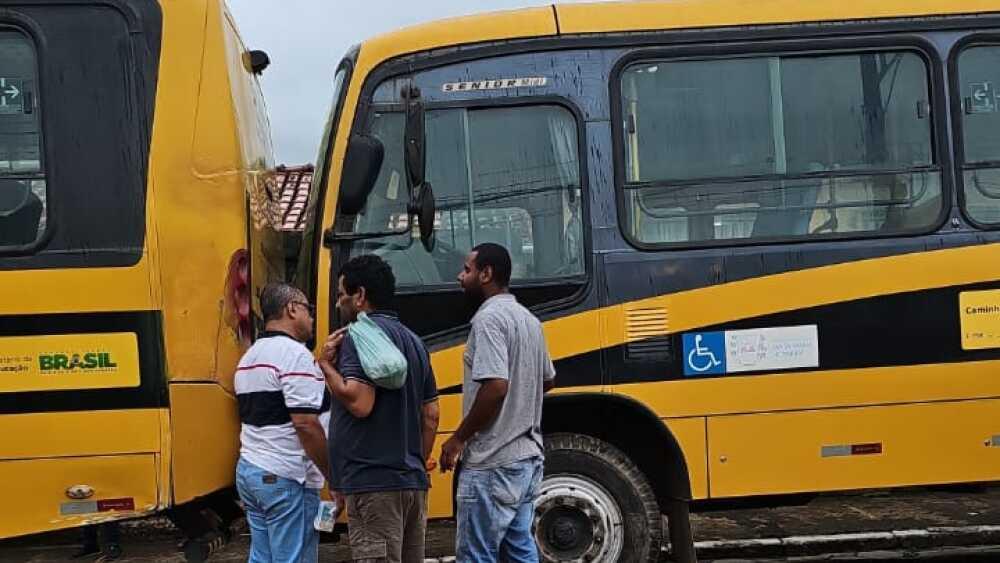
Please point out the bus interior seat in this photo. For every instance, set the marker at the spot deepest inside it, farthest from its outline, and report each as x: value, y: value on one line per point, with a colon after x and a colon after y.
x: 413, y: 266
x: 911, y: 216
x: 788, y: 222
x: 20, y: 213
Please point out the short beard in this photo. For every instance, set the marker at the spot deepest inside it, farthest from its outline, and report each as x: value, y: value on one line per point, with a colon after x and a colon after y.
x: 345, y: 319
x: 474, y: 296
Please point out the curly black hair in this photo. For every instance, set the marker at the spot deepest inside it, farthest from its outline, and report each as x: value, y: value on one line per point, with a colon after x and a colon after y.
x: 373, y: 274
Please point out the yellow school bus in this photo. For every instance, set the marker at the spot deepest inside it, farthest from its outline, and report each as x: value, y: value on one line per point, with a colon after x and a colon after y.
x: 135, y: 169
x: 761, y: 236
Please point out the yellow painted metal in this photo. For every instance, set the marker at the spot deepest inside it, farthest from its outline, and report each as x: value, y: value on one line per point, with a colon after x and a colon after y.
x: 37, y: 488
x: 206, y: 158
x: 685, y: 14
x: 921, y: 444
x: 821, y: 389
x: 74, y: 434
x: 690, y: 434
x: 439, y: 499
x: 205, y: 431
x: 74, y: 290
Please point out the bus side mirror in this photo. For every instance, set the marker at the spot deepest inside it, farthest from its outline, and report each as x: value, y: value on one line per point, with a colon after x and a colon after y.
x: 256, y: 61
x: 361, y: 167
x: 413, y: 136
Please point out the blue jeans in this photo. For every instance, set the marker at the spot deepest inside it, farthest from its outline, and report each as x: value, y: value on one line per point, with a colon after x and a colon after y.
x: 280, y: 513
x: 495, y: 511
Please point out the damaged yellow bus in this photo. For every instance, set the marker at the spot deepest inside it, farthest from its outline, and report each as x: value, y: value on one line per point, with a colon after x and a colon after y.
x: 762, y: 237
x: 135, y: 219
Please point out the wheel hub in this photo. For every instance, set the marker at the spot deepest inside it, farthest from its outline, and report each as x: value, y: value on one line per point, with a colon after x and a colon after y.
x: 576, y: 519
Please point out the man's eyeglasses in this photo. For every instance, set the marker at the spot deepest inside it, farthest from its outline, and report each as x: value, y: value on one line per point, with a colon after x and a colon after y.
x: 310, y: 307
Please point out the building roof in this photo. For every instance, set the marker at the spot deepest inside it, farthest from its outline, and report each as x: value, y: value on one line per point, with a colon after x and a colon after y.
x: 293, y: 183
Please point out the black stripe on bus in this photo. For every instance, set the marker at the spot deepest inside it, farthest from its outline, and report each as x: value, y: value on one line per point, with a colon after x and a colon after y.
x: 152, y: 389
x: 904, y: 329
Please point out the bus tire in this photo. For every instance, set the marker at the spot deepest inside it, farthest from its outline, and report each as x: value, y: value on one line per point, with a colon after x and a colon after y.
x: 595, y: 504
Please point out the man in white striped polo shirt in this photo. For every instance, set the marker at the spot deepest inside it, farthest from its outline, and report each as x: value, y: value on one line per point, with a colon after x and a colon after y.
x: 284, y: 409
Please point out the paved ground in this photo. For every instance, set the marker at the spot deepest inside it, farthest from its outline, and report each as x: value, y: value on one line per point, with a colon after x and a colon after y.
x: 862, y: 512
x: 827, y: 516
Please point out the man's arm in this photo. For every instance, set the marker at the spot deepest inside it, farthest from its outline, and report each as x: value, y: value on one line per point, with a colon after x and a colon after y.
x: 549, y: 371
x: 431, y: 414
x: 485, y: 408
x: 357, y: 397
x: 313, y: 439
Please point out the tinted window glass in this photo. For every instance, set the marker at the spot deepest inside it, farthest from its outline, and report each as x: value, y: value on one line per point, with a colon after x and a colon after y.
x: 979, y: 79
x: 777, y: 147
x: 22, y: 179
x: 506, y: 175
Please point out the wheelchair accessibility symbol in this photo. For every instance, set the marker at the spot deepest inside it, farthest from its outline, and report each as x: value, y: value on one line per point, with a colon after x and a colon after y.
x: 704, y: 353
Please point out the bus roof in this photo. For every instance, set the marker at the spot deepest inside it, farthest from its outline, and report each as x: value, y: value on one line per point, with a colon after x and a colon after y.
x: 611, y: 17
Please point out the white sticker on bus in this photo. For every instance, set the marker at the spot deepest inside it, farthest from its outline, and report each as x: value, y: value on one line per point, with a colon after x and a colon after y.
x: 498, y: 84
x: 766, y: 349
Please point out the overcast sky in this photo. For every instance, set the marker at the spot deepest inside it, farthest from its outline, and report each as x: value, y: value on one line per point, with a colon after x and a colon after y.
x: 305, y: 40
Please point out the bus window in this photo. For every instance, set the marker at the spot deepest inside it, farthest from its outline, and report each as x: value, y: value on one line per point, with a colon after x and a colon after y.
x: 979, y: 78
x: 778, y: 147
x: 22, y: 179
x: 509, y: 175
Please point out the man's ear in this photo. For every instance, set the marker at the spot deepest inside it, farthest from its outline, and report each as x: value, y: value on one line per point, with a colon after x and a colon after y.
x: 486, y: 275
x: 362, y: 295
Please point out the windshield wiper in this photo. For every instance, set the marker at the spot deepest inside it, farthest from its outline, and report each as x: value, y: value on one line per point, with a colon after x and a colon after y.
x: 330, y: 237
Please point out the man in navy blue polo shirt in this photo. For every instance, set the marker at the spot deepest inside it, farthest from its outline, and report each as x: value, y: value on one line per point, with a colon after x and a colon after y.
x: 380, y: 439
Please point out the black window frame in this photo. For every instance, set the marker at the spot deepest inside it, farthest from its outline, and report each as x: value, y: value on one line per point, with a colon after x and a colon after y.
x: 957, y: 111
x: 941, y: 158
x: 139, y: 60
x: 314, y: 237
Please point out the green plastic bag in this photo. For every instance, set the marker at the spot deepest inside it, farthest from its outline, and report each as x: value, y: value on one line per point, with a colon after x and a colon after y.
x: 382, y: 361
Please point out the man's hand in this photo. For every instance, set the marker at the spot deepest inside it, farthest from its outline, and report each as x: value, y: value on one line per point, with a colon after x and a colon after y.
x: 339, y: 498
x: 451, y: 450
x: 331, y: 348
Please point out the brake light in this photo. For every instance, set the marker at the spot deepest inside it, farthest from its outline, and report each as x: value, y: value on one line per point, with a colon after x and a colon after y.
x: 238, y: 295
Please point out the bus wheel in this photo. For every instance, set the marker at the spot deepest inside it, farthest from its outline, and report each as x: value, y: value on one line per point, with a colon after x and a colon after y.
x: 595, y: 504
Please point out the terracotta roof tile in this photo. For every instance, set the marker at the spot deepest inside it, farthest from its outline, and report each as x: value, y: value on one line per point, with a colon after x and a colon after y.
x: 293, y: 183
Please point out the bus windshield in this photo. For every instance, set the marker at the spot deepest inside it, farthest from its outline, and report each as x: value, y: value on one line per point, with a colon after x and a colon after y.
x: 509, y: 175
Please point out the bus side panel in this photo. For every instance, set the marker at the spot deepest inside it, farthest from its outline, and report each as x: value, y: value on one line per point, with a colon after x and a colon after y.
x: 439, y: 497
x: 690, y: 435
x: 36, y: 500
x: 200, y: 207
x: 79, y: 433
x: 854, y: 448
x: 205, y: 431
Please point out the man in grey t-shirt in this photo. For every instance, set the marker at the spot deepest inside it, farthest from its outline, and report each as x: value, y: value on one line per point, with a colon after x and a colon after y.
x: 507, y: 371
